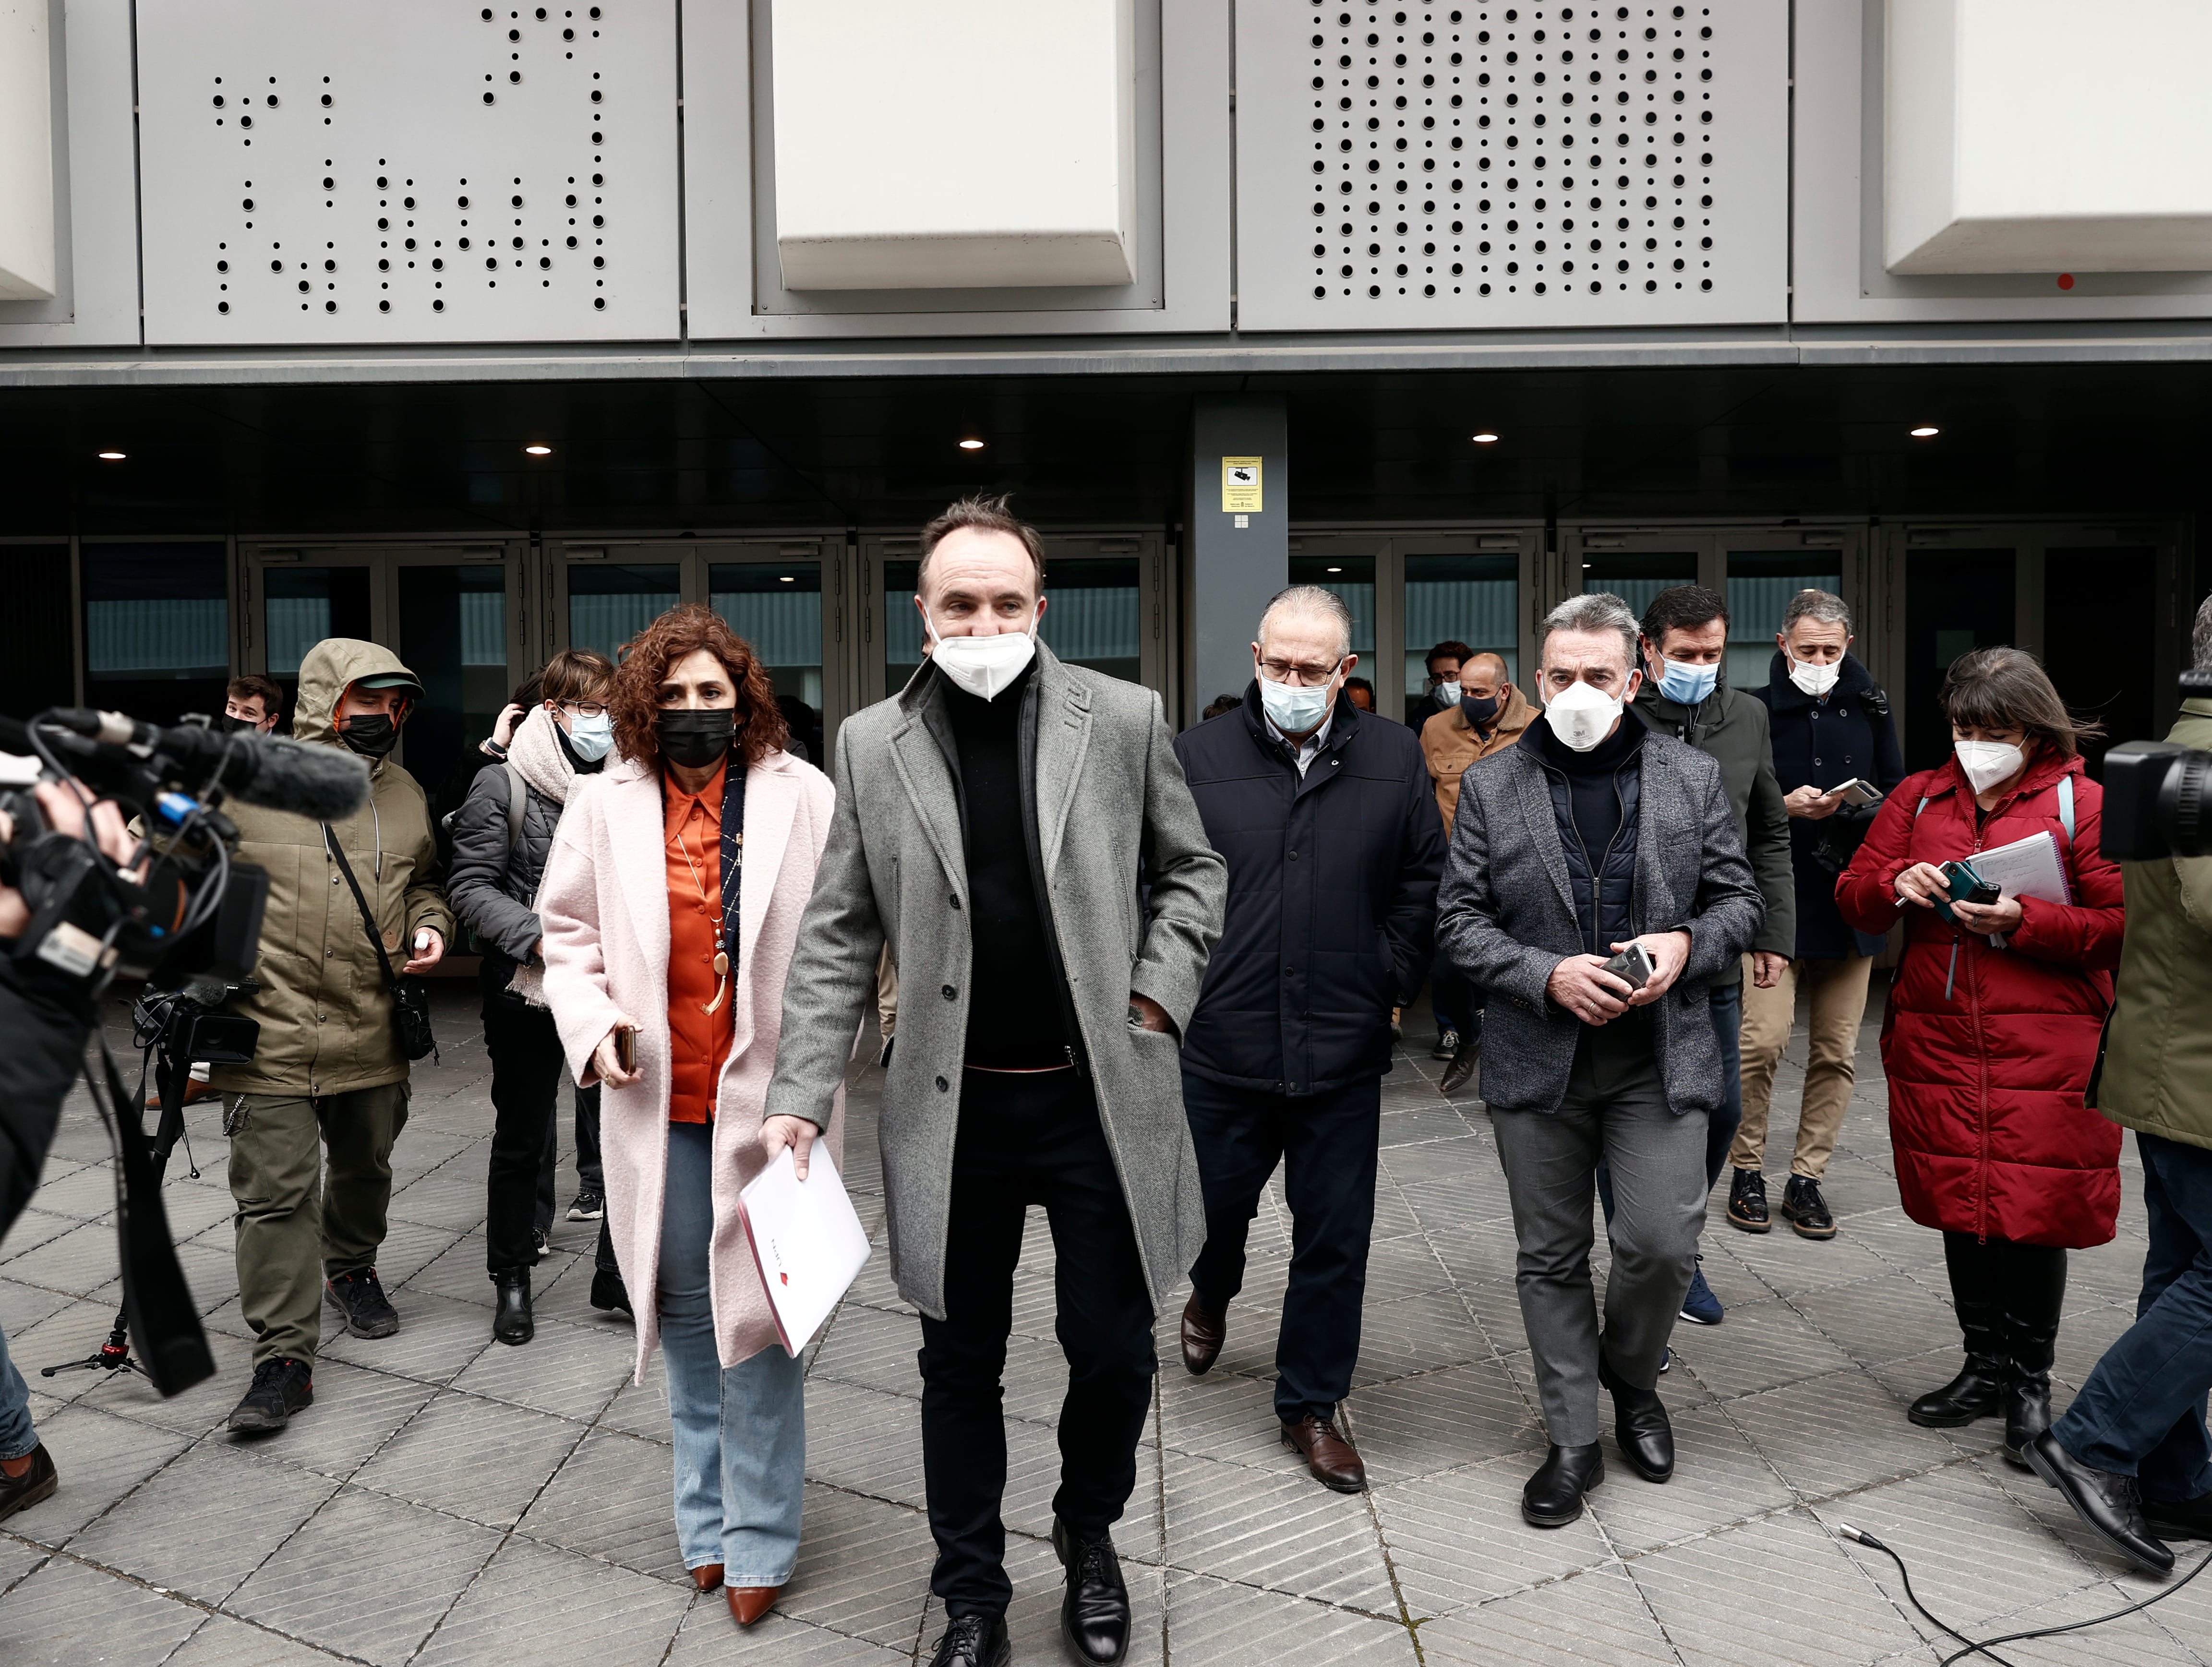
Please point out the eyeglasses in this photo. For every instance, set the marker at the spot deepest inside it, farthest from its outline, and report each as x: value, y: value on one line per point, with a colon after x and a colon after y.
x: 586, y: 708
x: 1280, y: 671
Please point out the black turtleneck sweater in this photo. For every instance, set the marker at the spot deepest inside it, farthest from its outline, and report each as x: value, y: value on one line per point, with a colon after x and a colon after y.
x: 1014, y: 1012
x: 1590, y: 789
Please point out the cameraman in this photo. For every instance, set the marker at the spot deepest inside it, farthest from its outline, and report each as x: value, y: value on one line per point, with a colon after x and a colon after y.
x: 46, y: 1019
x: 328, y: 1072
x: 2130, y: 1455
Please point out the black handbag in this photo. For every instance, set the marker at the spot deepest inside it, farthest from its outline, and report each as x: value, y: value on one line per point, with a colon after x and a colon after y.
x: 410, y: 997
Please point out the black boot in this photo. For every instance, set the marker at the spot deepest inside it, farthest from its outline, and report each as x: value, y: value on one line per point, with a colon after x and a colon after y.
x: 1978, y: 1390
x: 2034, y: 1292
x: 511, y: 1322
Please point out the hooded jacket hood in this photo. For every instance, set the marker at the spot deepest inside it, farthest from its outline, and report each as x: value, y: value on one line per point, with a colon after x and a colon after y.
x: 328, y: 667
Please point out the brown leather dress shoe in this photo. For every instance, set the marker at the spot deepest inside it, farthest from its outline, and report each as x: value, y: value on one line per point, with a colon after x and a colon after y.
x: 749, y: 1603
x: 708, y: 1577
x: 1202, y: 1333
x: 1328, y: 1454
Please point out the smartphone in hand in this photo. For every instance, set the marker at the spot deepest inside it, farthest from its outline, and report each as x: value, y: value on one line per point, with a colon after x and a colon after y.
x: 626, y: 1050
x: 1633, y: 967
x: 1855, y: 793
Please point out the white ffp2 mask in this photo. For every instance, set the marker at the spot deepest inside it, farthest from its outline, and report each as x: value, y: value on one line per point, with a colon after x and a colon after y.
x: 1988, y: 762
x: 983, y: 666
x: 1815, y: 679
x: 1581, y: 715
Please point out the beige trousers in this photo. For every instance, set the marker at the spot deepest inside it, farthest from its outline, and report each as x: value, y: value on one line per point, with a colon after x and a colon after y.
x: 1835, y: 995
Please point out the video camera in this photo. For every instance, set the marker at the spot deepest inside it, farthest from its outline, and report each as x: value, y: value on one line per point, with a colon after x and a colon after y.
x: 2156, y: 794
x: 194, y: 910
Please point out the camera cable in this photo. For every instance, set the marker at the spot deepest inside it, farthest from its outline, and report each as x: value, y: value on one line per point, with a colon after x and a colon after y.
x: 1985, y: 1646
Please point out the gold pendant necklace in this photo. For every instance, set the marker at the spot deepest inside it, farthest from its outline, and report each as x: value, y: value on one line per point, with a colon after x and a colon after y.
x: 720, y: 962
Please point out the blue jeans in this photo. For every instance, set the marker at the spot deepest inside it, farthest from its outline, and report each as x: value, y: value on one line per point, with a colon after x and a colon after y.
x: 2141, y: 1412
x: 1720, y: 1133
x: 740, y: 1432
x: 16, y: 1435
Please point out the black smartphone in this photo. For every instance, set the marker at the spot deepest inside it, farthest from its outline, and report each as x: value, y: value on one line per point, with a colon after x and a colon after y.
x: 1633, y: 966
x: 626, y: 1051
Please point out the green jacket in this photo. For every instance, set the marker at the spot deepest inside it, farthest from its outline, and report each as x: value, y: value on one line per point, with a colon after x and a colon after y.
x: 1731, y: 728
x: 324, y: 1007
x: 2158, y: 1056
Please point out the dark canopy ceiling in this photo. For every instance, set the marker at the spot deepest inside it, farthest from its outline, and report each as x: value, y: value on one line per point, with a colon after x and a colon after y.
x: 733, y: 454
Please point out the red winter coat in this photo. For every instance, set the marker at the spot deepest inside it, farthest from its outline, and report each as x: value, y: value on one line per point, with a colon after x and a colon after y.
x: 1988, y: 1054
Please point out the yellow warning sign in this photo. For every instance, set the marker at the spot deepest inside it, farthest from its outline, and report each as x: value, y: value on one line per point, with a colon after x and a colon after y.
x: 1240, y: 485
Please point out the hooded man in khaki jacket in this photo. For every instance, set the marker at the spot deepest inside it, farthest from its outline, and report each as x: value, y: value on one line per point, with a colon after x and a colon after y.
x: 328, y: 1071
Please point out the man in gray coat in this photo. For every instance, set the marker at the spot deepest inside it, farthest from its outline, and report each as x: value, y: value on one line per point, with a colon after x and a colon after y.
x: 995, y: 821
x: 1594, y: 837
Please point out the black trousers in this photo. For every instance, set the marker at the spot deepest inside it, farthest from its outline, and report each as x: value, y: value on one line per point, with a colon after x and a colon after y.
x: 1326, y: 1144
x: 1031, y: 1138
x: 527, y: 1063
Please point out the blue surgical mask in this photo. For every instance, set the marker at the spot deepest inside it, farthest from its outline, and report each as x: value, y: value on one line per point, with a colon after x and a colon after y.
x: 1687, y: 685
x: 1294, y: 709
x: 591, y: 738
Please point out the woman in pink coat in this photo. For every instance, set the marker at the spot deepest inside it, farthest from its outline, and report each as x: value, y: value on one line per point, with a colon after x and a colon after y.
x: 671, y: 904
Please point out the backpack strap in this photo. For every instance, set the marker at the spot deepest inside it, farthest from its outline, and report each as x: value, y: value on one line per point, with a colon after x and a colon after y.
x: 2066, y: 805
x: 1918, y: 808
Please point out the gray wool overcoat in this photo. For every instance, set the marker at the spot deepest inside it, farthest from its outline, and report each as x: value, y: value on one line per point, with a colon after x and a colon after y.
x: 1110, y: 808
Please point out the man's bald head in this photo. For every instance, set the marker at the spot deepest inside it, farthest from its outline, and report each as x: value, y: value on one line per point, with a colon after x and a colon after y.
x: 1484, y: 676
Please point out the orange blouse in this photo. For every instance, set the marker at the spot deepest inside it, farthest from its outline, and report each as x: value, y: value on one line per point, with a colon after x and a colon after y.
x: 698, y: 1041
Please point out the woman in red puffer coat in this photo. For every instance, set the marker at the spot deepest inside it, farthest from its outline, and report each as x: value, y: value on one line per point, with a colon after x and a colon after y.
x: 1993, y: 1029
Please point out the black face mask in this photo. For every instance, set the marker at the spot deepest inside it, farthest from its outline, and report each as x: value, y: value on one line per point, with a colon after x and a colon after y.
x: 1482, y: 712
x: 227, y: 724
x: 371, y: 734
x: 695, y: 739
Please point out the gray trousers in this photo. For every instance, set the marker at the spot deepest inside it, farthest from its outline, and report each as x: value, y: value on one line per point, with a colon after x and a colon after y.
x: 1615, y: 1108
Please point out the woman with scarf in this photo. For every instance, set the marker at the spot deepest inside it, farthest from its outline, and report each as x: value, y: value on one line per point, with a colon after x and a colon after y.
x: 502, y: 833
x: 671, y: 905
x: 1991, y: 1029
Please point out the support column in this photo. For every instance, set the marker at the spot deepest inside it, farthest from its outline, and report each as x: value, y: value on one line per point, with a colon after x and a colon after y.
x: 1238, y: 534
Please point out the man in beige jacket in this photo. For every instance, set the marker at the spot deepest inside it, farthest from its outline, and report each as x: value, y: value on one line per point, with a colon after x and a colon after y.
x: 328, y: 1072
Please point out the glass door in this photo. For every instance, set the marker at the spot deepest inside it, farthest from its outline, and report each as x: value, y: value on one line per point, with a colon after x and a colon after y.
x: 1341, y: 568
x: 1471, y: 597
x: 771, y: 596
x: 1764, y: 570
x: 156, y: 629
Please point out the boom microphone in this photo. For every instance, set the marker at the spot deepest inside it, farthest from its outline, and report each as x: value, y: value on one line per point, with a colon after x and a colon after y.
x: 321, y: 782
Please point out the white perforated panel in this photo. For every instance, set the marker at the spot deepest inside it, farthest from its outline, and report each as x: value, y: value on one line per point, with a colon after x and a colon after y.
x: 1441, y: 167
x: 408, y: 171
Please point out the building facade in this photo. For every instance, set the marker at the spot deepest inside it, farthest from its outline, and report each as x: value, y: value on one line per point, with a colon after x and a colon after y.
x: 483, y: 330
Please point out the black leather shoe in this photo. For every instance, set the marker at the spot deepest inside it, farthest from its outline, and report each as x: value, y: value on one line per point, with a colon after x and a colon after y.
x: 20, y: 1493
x: 1806, y: 1211
x: 1977, y: 1392
x: 1553, y: 1496
x: 1094, y: 1616
x: 974, y: 1640
x: 2167, y: 1518
x: 1747, y: 1201
x: 1203, y: 1331
x: 511, y: 1323
x: 2109, y: 1504
x: 1640, y: 1425
x: 1460, y: 1072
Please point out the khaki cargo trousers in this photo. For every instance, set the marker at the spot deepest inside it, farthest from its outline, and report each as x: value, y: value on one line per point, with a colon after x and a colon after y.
x: 294, y: 1230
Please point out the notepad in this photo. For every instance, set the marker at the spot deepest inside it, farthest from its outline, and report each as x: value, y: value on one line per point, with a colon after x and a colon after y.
x: 2033, y: 867
x: 806, y: 1241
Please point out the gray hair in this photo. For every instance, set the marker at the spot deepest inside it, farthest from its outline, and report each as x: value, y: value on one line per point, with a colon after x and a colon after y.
x: 1311, y: 599
x: 1823, y: 606
x: 1595, y: 610
x: 2200, y: 638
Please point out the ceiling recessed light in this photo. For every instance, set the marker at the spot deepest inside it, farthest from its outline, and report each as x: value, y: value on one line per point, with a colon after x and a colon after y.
x: 788, y: 578
x: 538, y: 450
x: 971, y: 446
x: 112, y: 456
x: 1926, y: 431
x: 1486, y: 438
x: 1336, y: 570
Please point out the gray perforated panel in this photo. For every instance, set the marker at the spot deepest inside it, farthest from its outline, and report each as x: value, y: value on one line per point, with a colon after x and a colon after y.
x: 1441, y: 167
x: 408, y: 171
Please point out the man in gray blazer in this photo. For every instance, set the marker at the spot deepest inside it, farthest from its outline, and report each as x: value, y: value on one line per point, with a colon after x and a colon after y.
x: 995, y: 821
x: 1593, y: 836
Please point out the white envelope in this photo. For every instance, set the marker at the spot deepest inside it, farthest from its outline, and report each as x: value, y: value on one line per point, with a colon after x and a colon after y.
x: 806, y: 1241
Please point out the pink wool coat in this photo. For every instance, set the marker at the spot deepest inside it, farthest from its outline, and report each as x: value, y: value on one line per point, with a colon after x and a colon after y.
x: 604, y: 903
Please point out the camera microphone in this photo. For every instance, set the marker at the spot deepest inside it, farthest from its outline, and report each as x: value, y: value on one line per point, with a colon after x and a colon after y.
x: 321, y: 782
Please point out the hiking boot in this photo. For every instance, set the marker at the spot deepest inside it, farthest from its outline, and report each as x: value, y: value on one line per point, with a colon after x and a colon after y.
x: 1746, y: 1208
x: 280, y: 1389
x: 1806, y: 1211
x: 360, y: 1297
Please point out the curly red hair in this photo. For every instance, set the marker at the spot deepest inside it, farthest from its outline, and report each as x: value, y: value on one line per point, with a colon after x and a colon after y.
x: 635, y: 698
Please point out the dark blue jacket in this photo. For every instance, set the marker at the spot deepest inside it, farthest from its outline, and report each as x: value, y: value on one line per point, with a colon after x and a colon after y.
x: 1331, y: 897
x: 1597, y: 797
x: 1824, y: 743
